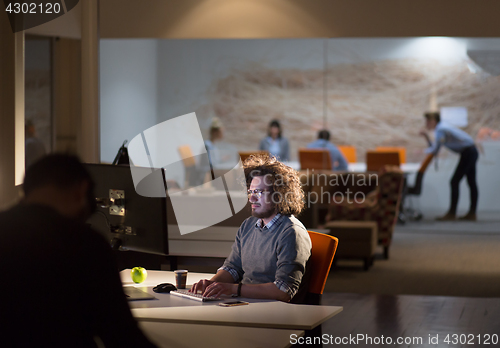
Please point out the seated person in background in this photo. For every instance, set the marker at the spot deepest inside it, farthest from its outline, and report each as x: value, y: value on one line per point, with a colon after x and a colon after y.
x: 459, y: 142
x: 220, y: 154
x: 323, y: 142
x: 62, y: 288
x: 216, y: 134
x: 275, y: 143
x: 272, y: 247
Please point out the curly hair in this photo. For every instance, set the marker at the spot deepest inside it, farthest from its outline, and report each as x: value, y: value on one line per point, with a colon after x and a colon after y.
x: 285, y: 182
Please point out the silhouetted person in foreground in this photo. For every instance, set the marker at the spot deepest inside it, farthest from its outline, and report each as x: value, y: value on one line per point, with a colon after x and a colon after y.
x: 60, y: 285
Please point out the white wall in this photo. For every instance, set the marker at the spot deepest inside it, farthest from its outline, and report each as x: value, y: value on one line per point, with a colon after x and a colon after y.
x: 186, y: 68
x: 128, y: 91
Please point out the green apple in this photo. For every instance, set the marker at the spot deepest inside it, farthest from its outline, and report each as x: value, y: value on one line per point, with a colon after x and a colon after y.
x: 138, y: 274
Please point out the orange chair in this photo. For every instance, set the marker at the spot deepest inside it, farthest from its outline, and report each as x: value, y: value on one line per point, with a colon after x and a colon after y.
x: 323, y: 250
x: 315, y: 159
x: 375, y: 160
x: 400, y: 150
x: 189, y: 162
x: 245, y: 154
x: 349, y: 153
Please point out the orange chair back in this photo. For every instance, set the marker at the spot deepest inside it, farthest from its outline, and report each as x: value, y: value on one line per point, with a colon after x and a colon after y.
x: 398, y: 149
x: 245, y: 154
x: 426, y: 163
x: 376, y: 160
x: 315, y: 159
x: 187, y: 156
x: 323, y: 250
x: 349, y: 153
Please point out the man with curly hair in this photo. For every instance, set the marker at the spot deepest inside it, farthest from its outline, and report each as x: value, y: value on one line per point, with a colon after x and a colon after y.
x: 269, y: 255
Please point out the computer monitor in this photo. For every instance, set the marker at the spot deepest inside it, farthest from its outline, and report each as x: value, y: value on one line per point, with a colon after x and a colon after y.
x: 129, y: 221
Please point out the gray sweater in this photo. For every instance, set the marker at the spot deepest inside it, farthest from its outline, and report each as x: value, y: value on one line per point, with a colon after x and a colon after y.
x: 276, y: 255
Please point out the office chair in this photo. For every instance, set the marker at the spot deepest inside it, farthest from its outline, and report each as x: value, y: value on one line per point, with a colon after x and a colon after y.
x: 415, y: 190
x: 189, y: 165
x: 323, y: 250
x: 349, y: 153
x: 245, y: 154
x: 383, y: 208
x: 398, y: 149
x: 376, y: 160
x: 315, y: 159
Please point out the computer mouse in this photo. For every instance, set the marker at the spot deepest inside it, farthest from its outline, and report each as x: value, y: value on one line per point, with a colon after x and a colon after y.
x: 164, y: 287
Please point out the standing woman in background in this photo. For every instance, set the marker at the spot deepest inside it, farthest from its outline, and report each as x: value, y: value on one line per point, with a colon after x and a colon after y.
x: 275, y: 143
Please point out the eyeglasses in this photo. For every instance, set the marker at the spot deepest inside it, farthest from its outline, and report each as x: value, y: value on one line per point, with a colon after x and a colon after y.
x: 257, y: 192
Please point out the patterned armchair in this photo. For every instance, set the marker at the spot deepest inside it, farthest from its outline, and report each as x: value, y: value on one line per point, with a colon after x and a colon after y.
x: 380, y: 205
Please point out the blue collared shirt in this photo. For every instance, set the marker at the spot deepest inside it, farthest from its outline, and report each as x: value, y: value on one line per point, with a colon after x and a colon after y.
x: 335, y: 154
x: 453, y: 138
x: 270, y: 224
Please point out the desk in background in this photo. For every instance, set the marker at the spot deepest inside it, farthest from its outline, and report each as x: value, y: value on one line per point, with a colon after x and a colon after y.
x: 361, y: 166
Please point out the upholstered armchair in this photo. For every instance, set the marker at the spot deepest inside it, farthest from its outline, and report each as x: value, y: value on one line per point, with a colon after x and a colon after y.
x: 380, y: 205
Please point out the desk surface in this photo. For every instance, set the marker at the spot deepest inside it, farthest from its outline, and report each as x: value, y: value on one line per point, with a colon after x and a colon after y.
x: 259, y: 313
x: 182, y: 335
x: 275, y: 315
x: 360, y: 167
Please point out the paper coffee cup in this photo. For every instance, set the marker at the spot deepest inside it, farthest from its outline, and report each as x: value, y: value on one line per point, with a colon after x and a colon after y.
x: 180, y: 278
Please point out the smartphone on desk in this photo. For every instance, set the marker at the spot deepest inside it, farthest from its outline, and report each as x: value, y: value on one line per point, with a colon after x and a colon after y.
x: 233, y: 303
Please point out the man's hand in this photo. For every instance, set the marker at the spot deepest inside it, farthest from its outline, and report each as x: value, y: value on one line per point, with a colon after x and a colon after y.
x: 222, y: 276
x: 217, y: 289
x: 200, y: 286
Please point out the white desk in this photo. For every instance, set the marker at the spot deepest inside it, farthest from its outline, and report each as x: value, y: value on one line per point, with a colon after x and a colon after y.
x: 275, y: 315
x: 182, y: 335
x: 359, y: 167
x: 259, y: 313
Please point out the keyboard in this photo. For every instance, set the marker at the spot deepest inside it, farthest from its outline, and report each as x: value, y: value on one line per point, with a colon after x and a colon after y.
x: 193, y: 296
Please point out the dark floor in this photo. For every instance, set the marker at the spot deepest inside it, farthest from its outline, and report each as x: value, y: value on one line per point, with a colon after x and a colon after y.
x: 474, y: 321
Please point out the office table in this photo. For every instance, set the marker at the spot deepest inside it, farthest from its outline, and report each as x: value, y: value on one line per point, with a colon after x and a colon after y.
x: 167, y: 335
x: 259, y: 313
x: 361, y: 166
